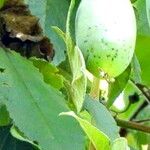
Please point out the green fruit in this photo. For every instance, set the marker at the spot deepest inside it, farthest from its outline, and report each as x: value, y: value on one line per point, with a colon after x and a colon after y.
x: 106, y: 34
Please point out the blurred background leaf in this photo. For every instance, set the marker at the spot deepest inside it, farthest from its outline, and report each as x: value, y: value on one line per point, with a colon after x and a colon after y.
x: 8, y: 142
x: 143, y: 39
x: 52, y: 13
x: 143, y: 138
x: 137, y: 139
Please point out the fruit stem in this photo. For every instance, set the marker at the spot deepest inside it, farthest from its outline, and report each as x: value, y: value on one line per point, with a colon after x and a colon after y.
x: 99, y: 88
x: 95, y: 91
x: 104, y: 86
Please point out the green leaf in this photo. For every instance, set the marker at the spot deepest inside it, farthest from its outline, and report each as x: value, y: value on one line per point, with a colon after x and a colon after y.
x: 141, y: 16
x: 7, y: 142
x: 136, y: 70
x: 98, y: 138
x: 142, y: 52
x: 143, y: 38
x: 102, y: 118
x: 50, y: 73
x: 52, y: 13
x: 34, y: 105
x: 118, y: 86
x: 120, y: 144
x: 148, y: 10
x: 4, y: 115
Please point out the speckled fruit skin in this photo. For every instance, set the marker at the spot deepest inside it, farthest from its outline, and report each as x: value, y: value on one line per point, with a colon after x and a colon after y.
x: 106, y: 34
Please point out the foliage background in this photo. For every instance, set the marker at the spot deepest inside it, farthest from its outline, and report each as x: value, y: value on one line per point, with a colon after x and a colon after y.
x: 45, y: 123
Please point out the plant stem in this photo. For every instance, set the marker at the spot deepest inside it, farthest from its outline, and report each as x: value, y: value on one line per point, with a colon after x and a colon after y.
x: 132, y: 125
x: 95, y: 91
x: 139, y: 121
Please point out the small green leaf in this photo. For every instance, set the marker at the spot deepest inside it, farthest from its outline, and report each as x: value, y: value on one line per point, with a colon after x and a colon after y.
x: 118, y: 86
x: 98, y: 113
x: 98, y: 138
x: 50, y: 73
x: 120, y: 144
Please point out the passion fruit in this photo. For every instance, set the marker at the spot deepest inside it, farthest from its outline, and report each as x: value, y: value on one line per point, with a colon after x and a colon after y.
x: 106, y: 34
